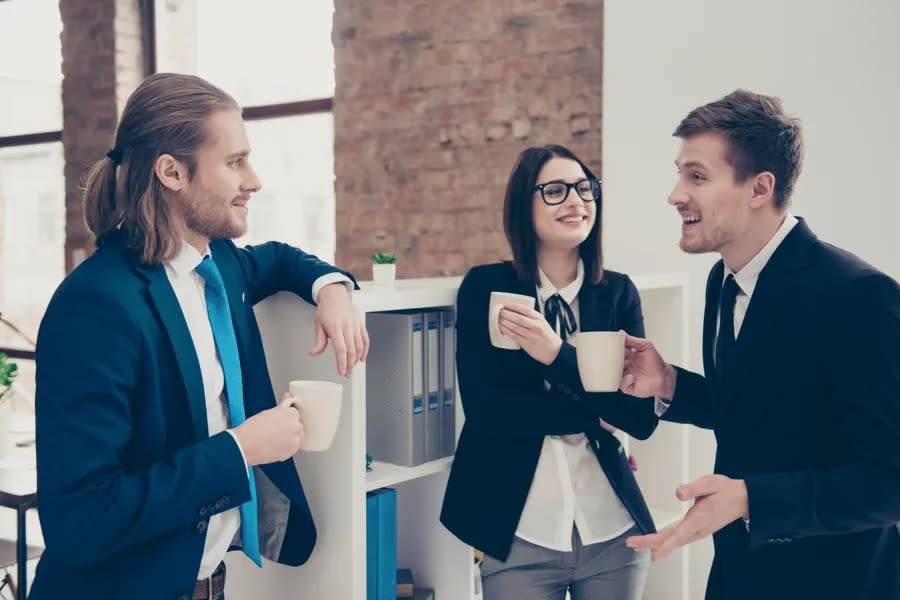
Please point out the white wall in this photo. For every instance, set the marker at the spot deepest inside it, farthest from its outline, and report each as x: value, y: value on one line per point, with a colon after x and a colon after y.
x: 834, y: 64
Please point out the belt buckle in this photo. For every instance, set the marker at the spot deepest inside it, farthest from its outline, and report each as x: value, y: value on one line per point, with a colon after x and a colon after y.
x: 209, y: 591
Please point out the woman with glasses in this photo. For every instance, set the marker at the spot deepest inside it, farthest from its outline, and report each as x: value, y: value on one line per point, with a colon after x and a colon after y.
x: 539, y: 483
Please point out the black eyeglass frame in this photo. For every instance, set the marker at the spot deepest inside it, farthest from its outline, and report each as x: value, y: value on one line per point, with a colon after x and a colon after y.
x: 595, y: 188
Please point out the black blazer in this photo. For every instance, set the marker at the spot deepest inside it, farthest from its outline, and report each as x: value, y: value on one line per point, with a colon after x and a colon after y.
x: 128, y: 475
x: 508, y: 412
x: 811, y: 420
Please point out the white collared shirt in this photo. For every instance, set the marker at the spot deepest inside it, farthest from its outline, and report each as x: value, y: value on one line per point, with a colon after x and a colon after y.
x: 189, y: 289
x: 569, y: 487
x: 747, y: 277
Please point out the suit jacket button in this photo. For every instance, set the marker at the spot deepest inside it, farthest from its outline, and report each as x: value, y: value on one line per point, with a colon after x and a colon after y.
x: 203, y: 511
x: 200, y: 527
x: 219, y: 505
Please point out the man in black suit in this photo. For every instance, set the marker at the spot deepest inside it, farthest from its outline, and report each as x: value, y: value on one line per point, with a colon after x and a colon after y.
x: 801, y: 350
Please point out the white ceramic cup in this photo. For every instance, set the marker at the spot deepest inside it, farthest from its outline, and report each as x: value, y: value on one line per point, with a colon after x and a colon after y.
x: 319, y: 404
x: 498, y: 299
x: 601, y: 359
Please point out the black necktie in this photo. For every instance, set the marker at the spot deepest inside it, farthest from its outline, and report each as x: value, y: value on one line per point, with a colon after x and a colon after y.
x: 725, y: 340
x: 560, y: 316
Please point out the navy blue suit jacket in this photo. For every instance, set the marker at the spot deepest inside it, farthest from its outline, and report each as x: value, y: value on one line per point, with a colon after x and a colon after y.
x: 810, y: 419
x: 509, y: 412
x: 128, y: 476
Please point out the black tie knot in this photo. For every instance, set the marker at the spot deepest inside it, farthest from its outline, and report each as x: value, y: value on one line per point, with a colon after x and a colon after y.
x: 729, y: 294
x: 560, y: 316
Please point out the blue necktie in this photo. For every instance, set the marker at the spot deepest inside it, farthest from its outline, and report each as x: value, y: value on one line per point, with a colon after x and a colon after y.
x: 226, y: 343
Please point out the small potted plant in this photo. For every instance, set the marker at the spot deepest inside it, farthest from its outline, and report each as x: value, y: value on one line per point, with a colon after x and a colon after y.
x: 383, y: 268
x: 8, y: 372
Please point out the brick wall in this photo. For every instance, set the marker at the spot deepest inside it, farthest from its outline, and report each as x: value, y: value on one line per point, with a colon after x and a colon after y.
x: 434, y: 100
x: 102, y: 53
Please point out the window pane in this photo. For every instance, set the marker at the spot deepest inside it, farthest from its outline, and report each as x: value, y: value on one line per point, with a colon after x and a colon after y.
x: 294, y: 158
x: 274, y: 52
x: 32, y: 235
x: 30, y: 67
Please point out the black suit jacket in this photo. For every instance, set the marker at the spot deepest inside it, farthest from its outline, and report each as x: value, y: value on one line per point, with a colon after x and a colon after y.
x: 508, y: 411
x: 128, y: 476
x: 810, y: 419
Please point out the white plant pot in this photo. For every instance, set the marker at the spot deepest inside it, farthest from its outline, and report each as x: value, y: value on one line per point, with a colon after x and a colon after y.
x: 383, y: 274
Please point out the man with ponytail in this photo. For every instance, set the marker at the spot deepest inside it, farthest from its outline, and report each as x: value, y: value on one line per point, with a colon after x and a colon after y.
x: 160, y: 445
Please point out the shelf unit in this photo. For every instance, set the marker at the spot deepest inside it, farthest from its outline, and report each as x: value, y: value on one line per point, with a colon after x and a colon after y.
x: 336, y: 480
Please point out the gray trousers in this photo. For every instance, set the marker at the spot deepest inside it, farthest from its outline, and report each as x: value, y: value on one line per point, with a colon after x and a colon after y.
x: 604, y: 571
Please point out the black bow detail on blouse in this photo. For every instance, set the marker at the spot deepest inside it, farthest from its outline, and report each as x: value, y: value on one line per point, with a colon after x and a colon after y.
x: 558, y: 311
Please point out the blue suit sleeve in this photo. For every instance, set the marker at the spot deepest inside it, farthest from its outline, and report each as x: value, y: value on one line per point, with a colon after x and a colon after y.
x: 274, y: 267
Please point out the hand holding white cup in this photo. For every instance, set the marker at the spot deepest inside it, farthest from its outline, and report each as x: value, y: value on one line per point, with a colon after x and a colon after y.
x: 319, y: 406
x: 498, y: 299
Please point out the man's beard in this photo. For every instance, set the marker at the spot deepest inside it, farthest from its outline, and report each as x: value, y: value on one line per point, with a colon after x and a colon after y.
x: 211, y: 216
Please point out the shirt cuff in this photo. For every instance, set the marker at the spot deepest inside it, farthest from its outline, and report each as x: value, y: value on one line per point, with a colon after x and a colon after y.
x: 328, y: 279
x: 241, y: 450
x: 660, y: 406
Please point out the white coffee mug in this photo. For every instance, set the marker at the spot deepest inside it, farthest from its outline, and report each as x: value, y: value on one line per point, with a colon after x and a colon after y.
x: 319, y: 404
x: 601, y: 359
x: 498, y: 299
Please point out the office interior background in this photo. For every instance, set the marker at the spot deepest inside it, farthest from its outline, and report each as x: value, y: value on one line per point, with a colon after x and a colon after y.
x: 393, y: 124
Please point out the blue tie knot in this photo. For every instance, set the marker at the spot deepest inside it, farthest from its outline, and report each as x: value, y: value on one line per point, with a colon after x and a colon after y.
x: 209, y: 271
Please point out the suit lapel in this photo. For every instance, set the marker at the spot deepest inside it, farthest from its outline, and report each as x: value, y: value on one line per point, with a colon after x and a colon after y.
x: 710, y: 318
x: 767, y: 305
x: 762, y: 315
x: 237, y: 298
x: 595, y: 311
x: 169, y: 311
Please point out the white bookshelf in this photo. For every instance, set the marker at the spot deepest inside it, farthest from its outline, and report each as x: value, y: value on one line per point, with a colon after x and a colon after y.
x: 336, y: 480
x: 386, y: 474
x: 662, y: 460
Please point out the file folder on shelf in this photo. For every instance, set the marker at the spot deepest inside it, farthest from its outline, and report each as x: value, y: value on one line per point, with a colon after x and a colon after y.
x: 371, y: 546
x: 448, y: 383
x: 433, y: 362
x: 381, y: 545
x: 395, y: 390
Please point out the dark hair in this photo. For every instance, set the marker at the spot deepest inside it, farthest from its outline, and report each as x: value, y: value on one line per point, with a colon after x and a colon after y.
x: 166, y: 114
x: 518, y: 217
x: 759, y: 136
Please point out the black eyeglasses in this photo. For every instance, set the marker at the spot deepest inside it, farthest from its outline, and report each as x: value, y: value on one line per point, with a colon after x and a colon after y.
x: 556, y: 192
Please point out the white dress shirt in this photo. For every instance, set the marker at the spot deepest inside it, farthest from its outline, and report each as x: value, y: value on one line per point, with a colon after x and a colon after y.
x: 747, y: 277
x: 189, y: 289
x: 746, y: 280
x: 569, y: 487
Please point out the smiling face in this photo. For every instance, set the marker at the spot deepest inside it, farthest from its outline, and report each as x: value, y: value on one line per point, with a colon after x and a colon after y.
x: 715, y: 209
x: 214, y: 202
x: 566, y: 225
